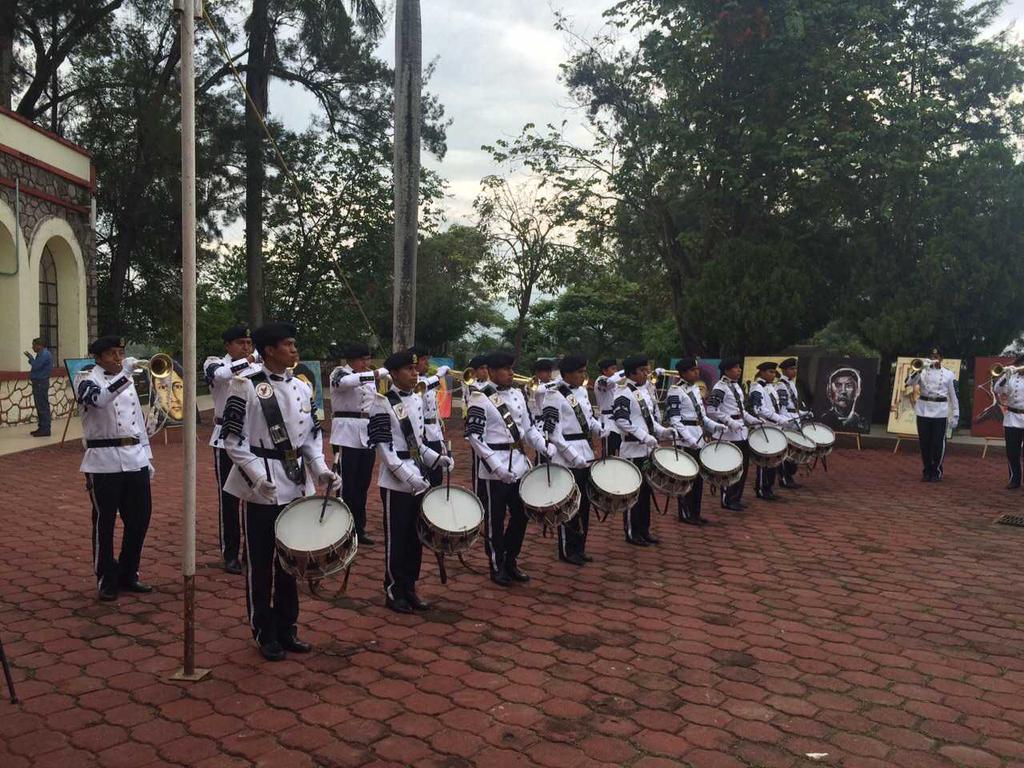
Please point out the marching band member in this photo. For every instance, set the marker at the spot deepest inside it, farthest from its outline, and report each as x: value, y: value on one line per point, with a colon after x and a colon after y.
x: 764, y: 403
x: 687, y: 417
x: 544, y: 372
x: 118, y: 465
x: 353, y: 390
x: 935, y: 405
x: 1010, y: 385
x: 433, y: 426
x: 497, y: 426
x: 605, y: 389
x: 725, y: 405
x: 480, y: 371
x: 569, y: 421
x: 239, y: 360
x: 396, y: 424
x: 633, y: 415
x: 272, y: 434
x: 789, y: 402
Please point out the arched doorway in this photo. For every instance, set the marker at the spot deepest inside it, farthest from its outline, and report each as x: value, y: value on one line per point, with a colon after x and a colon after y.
x: 49, y: 306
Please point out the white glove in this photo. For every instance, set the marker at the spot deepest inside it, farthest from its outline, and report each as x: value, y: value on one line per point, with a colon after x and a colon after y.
x: 382, y: 372
x: 659, y: 371
x: 331, y: 479
x: 447, y: 463
x: 419, y: 485
x: 578, y: 462
x: 152, y: 471
x: 504, y: 475
x: 265, y: 489
x: 442, y: 371
x: 129, y: 365
x: 719, y: 429
x: 650, y: 441
x: 550, y: 450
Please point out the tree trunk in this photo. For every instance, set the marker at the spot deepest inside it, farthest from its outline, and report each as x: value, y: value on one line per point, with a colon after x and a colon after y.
x: 408, y: 116
x: 257, y: 77
x: 8, y: 13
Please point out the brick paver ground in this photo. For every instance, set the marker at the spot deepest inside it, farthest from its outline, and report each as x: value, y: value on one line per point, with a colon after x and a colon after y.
x: 872, y: 618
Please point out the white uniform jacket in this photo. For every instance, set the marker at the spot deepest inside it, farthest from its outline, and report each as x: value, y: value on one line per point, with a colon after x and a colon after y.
x: 725, y: 405
x: 1011, y: 387
x: 490, y: 438
x: 111, y: 412
x: 563, y: 425
x: 686, y: 415
x: 634, y: 426
x: 605, y: 390
x: 937, y: 399
x: 401, y: 459
x: 764, y: 402
x: 432, y: 428
x: 219, y: 371
x: 789, y: 398
x: 245, y: 433
x: 352, y: 399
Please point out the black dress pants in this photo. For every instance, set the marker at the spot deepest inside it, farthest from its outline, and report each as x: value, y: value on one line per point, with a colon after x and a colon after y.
x: 689, y: 505
x: 505, y: 520
x: 227, y: 514
x: 435, y: 476
x: 41, y: 396
x: 403, y: 550
x: 734, y: 493
x: 356, y: 476
x: 787, y: 473
x: 637, y: 520
x: 764, y: 481
x: 931, y: 437
x: 572, y: 536
x: 271, y: 594
x: 127, y: 494
x: 1014, y: 442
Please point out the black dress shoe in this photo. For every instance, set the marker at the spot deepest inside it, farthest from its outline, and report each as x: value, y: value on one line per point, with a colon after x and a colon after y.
x: 768, y: 497
x: 516, y: 573
x: 1012, y: 486
x: 272, y: 651
x: 107, y: 594
x: 416, y: 602
x: 574, y: 559
x: 637, y: 542
x: 398, y: 605
x: 793, y: 486
x: 650, y: 539
x: 293, y: 644
x: 690, y: 520
x: 136, y: 586
x: 587, y: 558
x: 233, y: 566
x: 734, y: 507
x: 501, y: 578
x: 365, y: 540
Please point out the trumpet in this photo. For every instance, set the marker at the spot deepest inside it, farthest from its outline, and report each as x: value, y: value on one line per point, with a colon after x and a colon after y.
x: 385, y: 382
x: 159, y: 365
x: 998, y: 370
x: 659, y: 374
x: 917, y: 364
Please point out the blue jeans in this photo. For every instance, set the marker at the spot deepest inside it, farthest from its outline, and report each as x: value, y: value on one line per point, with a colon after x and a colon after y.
x: 41, y: 394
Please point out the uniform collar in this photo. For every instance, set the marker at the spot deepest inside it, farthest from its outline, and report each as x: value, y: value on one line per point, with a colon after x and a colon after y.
x: 287, y: 376
x: 506, y: 388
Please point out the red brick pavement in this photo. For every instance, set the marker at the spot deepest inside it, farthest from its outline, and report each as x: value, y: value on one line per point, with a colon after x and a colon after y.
x: 870, y: 617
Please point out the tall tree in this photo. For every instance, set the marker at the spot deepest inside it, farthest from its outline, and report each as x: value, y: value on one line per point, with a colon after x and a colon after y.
x: 408, y: 116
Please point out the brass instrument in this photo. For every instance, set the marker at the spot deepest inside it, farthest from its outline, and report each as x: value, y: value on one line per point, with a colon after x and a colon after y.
x: 998, y: 370
x: 159, y: 365
x: 917, y: 364
x: 656, y: 377
x: 385, y: 382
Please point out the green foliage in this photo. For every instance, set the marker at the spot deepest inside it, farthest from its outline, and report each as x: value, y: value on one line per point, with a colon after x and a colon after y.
x: 837, y: 339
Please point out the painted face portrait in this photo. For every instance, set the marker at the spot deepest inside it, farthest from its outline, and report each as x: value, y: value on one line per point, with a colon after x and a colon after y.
x: 170, y: 392
x: 843, y: 390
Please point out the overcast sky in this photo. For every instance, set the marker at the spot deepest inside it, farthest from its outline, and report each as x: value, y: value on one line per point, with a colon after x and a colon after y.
x: 498, y: 67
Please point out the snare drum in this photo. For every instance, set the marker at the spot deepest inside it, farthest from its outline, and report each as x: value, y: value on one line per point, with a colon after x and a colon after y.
x: 552, y: 499
x: 614, y: 485
x: 801, y: 447
x: 450, y: 520
x: 768, y: 446
x: 824, y: 438
x: 721, y: 464
x: 671, y: 471
x: 311, y: 548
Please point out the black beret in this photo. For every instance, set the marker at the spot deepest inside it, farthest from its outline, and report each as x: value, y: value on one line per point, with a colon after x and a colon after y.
x: 687, y: 364
x: 419, y: 350
x: 356, y: 350
x: 729, y: 362
x: 572, y: 363
x: 767, y: 365
x: 269, y: 334
x: 236, y: 332
x: 789, y: 362
x: 631, y: 363
x: 478, y: 361
x: 399, y: 360
x: 606, y: 363
x: 103, y: 343
x: 500, y: 360
x: 543, y: 364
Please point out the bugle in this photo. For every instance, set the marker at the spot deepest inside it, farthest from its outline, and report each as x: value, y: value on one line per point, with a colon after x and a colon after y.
x: 159, y: 365
x: 998, y: 370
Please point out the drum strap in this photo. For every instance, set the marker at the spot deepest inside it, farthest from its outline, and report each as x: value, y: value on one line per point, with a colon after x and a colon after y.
x: 775, y: 402
x: 405, y: 424
x: 276, y: 427
x: 510, y: 422
x: 696, y: 406
x: 738, y: 397
x: 577, y: 409
x: 644, y: 410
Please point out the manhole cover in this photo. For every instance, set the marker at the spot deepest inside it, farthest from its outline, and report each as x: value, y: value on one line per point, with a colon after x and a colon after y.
x: 1017, y: 520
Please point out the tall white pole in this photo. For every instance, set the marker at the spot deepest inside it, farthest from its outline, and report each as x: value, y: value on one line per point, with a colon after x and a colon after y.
x: 188, y: 332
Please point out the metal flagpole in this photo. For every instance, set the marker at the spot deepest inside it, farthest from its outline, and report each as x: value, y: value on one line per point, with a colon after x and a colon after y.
x: 188, y: 10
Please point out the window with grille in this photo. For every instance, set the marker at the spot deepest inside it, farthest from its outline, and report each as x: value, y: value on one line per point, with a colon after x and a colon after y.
x: 48, y: 302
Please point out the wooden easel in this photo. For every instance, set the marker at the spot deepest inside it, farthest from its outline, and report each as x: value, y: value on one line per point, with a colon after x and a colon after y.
x: 854, y: 435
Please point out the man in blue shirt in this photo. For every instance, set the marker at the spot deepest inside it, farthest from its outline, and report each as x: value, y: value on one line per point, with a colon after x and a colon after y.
x: 42, y: 367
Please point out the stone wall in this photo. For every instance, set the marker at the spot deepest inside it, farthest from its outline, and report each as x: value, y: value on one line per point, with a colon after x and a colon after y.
x: 18, y: 407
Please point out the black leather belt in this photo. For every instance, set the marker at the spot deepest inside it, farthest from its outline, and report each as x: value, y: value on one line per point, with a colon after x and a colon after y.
x: 576, y: 436
x: 430, y: 421
x: 270, y: 453
x: 112, y: 442
x: 606, y: 413
x: 631, y: 439
x: 351, y: 415
x: 501, y: 446
x: 403, y: 455
x: 690, y: 423
x: 932, y: 399
x: 1014, y: 410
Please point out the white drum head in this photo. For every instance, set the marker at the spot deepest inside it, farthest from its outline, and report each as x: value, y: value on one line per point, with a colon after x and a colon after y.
x: 616, y: 477
x: 678, y: 463
x: 721, y: 457
x: 820, y: 434
x: 535, y: 491
x: 768, y: 441
x: 298, y: 527
x: 801, y: 440
x: 457, y: 512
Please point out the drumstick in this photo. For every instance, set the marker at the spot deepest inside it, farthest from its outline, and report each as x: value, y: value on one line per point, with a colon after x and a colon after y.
x: 448, y: 478
x: 323, y: 507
